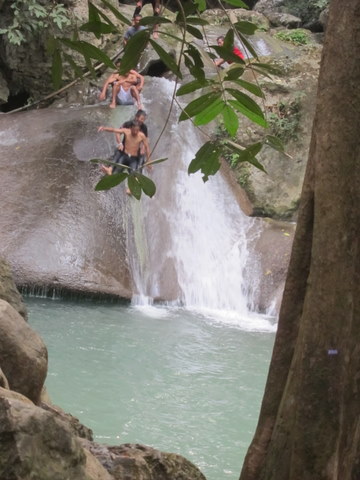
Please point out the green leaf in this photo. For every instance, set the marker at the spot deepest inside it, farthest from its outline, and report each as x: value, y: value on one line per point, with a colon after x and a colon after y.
x: 152, y: 162
x: 198, y: 105
x: 134, y: 186
x: 196, y: 71
x: 93, y: 13
x: 109, y: 163
x: 229, y: 40
x: 116, y: 12
x: 88, y: 51
x: 227, y: 54
x: 231, y: 120
x: 195, y: 55
x: 51, y: 44
x: 248, y: 154
x: 191, y: 87
x: 201, y: 5
x: 76, y: 68
x: 234, y: 73
x: 247, y: 107
x: 247, y: 28
x: 209, y: 113
x: 154, y: 20
x: 194, y: 62
x: 237, y: 3
x: 97, y: 28
x: 147, y: 185
x: 97, y: 54
x: 110, y: 181
x: 166, y: 58
x: 250, y: 87
x: 56, y: 69
x: 196, y: 21
x: 189, y: 8
x: 133, y: 50
x: 247, y: 45
x: 267, y: 67
x: 108, y: 21
x: 205, y: 158
x: 195, y: 32
x: 275, y: 143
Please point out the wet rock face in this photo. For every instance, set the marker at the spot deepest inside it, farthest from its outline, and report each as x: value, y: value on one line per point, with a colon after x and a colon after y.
x: 23, y: 355
x: 308, y: 11
x: 55, y: 230
x: 8, y: 290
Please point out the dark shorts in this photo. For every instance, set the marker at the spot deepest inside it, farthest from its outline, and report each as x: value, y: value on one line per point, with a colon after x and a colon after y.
x: 129, y: 160
x: 154, y: 3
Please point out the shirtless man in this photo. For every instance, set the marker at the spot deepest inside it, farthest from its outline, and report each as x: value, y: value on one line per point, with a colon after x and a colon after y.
x: 126, y: 88
x: 134, y: 139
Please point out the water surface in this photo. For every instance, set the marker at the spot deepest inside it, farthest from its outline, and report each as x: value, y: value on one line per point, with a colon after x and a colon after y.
x: 184, y: 382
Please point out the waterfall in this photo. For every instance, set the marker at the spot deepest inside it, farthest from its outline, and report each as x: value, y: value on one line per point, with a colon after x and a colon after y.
x: 197, y: 237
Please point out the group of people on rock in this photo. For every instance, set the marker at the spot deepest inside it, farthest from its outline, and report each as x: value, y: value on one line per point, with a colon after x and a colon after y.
x: 132, y: 137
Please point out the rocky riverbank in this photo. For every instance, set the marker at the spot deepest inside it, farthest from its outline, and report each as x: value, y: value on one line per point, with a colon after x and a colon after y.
x: 38, y: 439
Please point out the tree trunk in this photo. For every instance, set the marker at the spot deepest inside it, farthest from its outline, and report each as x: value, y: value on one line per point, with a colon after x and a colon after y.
x: 309, y: 425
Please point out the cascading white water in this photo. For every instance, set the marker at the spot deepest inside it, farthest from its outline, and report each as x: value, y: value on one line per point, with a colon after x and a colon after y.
x: 210, y: 245
x: 195, y: 230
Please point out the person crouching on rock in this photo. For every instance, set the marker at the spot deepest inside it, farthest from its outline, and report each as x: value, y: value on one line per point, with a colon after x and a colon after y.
x: 125, y: 89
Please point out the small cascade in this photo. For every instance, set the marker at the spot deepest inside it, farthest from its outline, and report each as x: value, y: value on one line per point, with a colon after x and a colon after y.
x: 195, y: 237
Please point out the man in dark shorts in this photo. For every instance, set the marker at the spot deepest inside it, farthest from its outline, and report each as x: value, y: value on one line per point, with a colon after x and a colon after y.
x: 156, y: 11
x: 129, y: 156
x: 140, y: 117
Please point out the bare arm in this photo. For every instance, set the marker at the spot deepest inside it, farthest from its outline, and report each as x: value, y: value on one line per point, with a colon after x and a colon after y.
x: 114, y: 130
x: 147, y: 148
x: 140, y: 85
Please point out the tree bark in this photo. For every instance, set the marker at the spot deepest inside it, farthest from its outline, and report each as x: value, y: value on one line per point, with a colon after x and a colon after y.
x: 309, y: 425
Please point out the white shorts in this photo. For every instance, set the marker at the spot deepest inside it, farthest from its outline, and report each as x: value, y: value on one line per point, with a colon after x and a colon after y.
x: 124, y: 97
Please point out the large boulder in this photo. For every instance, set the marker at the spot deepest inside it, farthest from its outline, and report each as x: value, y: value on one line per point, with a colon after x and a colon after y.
x: 23, y: 355
x: 73, y: 423
x: 284, y: 20
x: 36, y: 444
x: 11, y: 395
x: 8, y: 290
x: 267, y: 7
x: 56, y: 232
x: 140, y: 462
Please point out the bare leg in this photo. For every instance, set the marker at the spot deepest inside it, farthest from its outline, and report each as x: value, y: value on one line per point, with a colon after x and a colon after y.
x: 138, y: 8
x: 113, y: 77
x: 156, y: 11
x: 115, y: 91
x: 135, y: 93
